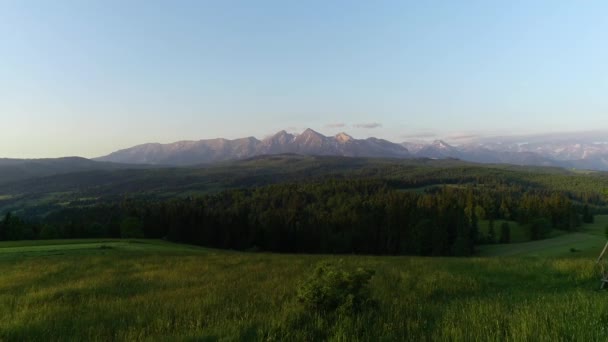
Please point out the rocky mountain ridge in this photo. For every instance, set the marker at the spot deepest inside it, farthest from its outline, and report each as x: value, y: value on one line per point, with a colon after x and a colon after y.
x: 208, y: 151
x: 583, y: 151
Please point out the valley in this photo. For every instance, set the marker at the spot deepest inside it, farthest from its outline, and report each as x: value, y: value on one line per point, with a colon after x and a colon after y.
x: 307, y: 171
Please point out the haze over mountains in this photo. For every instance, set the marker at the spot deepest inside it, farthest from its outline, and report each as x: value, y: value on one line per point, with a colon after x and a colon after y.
x: 570, y: 150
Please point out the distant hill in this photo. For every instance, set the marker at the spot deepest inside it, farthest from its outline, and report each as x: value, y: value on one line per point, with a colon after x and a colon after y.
x: 13, y: 170
x: 41, y: 195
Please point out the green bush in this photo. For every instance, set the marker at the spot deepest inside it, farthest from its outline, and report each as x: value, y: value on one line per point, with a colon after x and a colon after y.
x: 331, y: 288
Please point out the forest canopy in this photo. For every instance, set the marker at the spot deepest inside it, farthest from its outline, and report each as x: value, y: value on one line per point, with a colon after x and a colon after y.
x: 331, y: 216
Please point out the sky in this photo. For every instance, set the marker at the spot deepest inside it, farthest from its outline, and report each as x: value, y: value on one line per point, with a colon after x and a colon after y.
x: 90, y: 77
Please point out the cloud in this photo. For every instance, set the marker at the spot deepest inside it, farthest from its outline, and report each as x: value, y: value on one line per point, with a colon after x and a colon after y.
x: 463, y: 136
x: 423, y: 135
x: 336, y: 125
x: 368, y: 125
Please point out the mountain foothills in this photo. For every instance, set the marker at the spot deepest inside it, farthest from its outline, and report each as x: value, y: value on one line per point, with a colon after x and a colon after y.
x: 580, y: 151
x: 12, y: 170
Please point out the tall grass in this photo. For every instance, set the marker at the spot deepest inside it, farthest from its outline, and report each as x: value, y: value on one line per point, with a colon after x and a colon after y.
x: 165, y: 294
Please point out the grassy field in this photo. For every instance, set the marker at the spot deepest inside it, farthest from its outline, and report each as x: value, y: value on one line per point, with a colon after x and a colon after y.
x: 20, y: 249
x: 588, y: 242
x: 103, y: 290
x: 100, y: 290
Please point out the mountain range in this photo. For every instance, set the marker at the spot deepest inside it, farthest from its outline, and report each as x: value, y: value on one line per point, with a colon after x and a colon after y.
x: 570, y: 150
x: 309, y: 142
x: 585, y: 151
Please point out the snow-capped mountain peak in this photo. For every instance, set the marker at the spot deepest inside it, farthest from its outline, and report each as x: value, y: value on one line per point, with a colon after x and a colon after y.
x: 343, y: 137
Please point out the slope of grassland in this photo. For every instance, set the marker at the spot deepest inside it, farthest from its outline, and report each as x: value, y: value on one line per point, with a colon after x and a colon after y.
x: 588, y: 242
x: 152, y: 290
x: 43, y: 248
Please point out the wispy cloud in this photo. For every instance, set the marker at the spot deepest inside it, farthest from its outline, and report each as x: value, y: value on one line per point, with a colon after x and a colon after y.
x: 336, y: 125
x: 463, y: 137
x: 369, y: 125
x: 422, y: 135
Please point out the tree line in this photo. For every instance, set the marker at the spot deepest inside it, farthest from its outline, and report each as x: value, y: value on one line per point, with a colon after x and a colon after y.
x: 329, y: 216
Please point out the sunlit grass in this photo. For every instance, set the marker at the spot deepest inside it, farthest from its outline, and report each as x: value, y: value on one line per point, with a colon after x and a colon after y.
x: 153, y: 290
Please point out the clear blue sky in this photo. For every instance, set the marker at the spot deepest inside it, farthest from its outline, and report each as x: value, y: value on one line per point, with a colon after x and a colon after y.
x: 89, y: 77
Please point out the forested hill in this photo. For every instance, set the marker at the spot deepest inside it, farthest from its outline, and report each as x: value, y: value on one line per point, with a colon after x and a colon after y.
x: 331, y: 216
x: 15, y: 170
x: 41, y: 195
x: 293, y: 203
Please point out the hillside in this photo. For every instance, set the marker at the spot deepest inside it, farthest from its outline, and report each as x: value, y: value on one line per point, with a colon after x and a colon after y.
x: 585, y: 243
x: 14, y: 170
x: 40, y: 195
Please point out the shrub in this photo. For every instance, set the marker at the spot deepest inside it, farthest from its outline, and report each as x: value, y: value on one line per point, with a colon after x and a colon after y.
x: 331, y: 288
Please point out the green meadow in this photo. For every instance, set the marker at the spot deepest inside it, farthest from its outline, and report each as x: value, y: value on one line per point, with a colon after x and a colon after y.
x: 102, y: 290
x: 587, y: 242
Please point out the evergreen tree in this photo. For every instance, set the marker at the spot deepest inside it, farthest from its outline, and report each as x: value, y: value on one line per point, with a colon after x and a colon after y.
x: 491, y: 232
x: 587, y: 215
x: 3, y: 227
x: 539, y: 228
x: 505, y: 233
x: 131, y: 227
